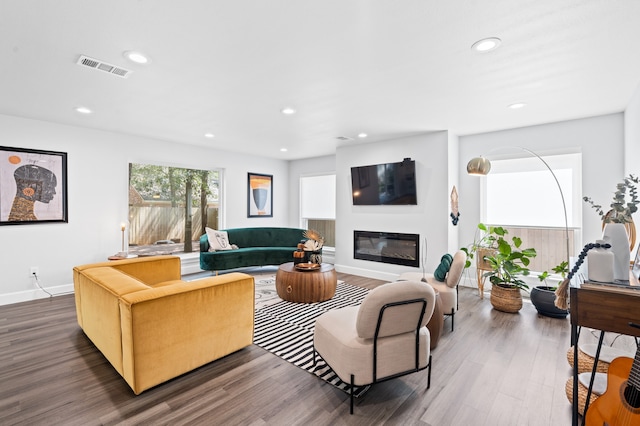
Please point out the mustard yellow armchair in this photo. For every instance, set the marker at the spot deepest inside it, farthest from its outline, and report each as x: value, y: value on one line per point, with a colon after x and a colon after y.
x: 152, y: 326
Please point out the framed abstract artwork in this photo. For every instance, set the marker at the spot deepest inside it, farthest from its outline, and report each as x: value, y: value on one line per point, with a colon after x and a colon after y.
x: 259, y: 195
x: 33, y: 186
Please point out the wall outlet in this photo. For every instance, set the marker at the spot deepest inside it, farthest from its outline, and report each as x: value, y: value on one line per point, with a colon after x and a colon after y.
x: 33, y: 271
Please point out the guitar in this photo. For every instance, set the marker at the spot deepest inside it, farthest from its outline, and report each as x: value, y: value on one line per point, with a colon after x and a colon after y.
x: 620, y: 404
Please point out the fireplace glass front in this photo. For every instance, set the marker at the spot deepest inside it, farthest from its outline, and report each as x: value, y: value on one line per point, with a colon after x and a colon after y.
x: 387, y: 247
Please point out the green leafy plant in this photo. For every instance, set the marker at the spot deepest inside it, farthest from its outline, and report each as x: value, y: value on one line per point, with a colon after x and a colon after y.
x: 562, y: 269
x: 487, y: 241
x: 509, y: 263
x: 621, y: 208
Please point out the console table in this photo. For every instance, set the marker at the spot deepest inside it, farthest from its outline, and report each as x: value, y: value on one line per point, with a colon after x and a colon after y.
x: 605, y: 310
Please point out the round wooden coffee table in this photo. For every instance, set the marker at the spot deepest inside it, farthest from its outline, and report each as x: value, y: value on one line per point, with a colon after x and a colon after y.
x: 306, y: 286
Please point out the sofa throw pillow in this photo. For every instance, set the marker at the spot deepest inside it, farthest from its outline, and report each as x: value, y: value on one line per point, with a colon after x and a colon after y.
x: 218, y: 240
x: 442, y: 269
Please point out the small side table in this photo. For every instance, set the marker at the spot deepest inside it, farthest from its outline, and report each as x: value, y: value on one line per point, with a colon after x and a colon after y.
x: 116, y: 257
x: 481, y: 267
x: 298, y: 286
x: 436, y: 322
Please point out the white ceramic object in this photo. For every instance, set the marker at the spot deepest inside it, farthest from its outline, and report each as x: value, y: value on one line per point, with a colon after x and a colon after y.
x: 600, y: 263
x: 616, y: 235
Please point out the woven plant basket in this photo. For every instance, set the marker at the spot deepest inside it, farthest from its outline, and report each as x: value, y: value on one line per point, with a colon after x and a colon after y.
x: 582, y: 395
x: 585, y: 362
x: 505, y: 299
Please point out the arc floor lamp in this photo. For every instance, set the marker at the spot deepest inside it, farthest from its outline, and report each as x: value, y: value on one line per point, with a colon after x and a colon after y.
x: 481, y: 166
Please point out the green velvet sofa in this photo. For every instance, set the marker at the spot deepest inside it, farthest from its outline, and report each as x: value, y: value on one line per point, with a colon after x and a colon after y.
x: 256, y: 247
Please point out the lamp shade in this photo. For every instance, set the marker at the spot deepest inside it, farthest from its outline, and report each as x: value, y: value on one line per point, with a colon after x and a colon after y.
x: 478, y: 166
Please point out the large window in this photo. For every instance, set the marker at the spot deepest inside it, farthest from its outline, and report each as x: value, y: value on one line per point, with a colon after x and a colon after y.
x: 169, y: 207
x: 318, y: 206
x: 522, y: 195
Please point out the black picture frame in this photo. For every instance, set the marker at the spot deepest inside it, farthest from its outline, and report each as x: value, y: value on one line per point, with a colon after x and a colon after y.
x: 33, y: 186
x: 259, y: 195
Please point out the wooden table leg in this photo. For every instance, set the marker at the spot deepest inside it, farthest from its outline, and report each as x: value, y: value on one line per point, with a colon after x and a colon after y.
x: 480, y: 279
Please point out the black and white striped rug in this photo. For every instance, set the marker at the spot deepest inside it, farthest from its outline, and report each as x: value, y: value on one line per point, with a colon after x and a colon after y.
x: 286, y: 330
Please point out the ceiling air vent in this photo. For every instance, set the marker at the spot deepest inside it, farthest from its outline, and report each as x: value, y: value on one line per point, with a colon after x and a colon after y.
x: 344, y: 138
x: 86, y: 61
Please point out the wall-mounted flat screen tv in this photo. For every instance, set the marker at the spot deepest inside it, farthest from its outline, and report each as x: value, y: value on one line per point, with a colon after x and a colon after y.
x: 382, y: 184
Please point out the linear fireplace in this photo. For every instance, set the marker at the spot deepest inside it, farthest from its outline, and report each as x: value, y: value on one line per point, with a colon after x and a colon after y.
x: 387, y: 247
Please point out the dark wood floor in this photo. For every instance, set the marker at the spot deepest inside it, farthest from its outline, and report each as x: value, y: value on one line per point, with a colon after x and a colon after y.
x: 494, y: 369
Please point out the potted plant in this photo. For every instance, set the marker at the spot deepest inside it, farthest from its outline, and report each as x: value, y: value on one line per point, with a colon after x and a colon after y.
x: 485, y: 245
x: 508, y: 265
x: 618, y: 227
x: 621, y: 209
x: 543, y: 296
x: 480, y: 249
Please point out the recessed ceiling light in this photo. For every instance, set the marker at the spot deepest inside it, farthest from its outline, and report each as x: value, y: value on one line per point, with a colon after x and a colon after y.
x: 486, y: 44
x: 283, y: 150
x: 362, y: 135
x: 209, y: 135
x: 288, y: 111
x: 83, y: 110
x: 136, y: 57
x: 517, y: 105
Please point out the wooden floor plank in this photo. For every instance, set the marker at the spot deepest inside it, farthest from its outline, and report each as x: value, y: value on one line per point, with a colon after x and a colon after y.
x: 495, y: 368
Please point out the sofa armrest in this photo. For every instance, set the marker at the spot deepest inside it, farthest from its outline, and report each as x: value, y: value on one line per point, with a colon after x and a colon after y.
x: 170, y: 330
x: 204, y: 244
x: 97, y: 291
x: 150, y: 270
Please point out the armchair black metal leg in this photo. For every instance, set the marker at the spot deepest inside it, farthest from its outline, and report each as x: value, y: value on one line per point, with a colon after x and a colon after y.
x: 429, y: 373
x: 314, y: 356
x: 452, y: 316
x: 351, y: 394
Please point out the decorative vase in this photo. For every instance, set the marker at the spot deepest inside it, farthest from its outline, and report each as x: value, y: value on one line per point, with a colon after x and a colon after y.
x: 506, y: 299
x: 616, y: 235
x: 316, y: 257
x: 600, y: 261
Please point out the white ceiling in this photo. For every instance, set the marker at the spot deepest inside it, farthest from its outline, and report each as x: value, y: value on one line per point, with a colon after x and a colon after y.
x: 384, y: 67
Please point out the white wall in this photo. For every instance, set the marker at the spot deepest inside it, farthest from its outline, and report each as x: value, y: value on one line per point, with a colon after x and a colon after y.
x: 430, y: 218
x: 97, y: 189
x: 454, y: 178
x: 632, y: 142
x: 600, y: 139
x: 632, y: 135
x: 97, y: 194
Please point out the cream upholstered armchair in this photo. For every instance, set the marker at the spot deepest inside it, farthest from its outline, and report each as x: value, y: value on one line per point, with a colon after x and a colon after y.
x: 447, y: 289
x: 383, y: 338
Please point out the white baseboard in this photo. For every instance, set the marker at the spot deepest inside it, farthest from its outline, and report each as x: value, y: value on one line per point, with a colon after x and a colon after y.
x: 190, y: 263
x: 35, y: 294
x: 385, y: 276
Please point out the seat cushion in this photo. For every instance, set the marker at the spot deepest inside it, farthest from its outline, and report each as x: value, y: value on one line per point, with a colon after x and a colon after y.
x: 448, y: 295
x: 336, y: 340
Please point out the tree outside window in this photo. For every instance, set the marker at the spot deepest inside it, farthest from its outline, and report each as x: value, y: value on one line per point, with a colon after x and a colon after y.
x: 171, y: 205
